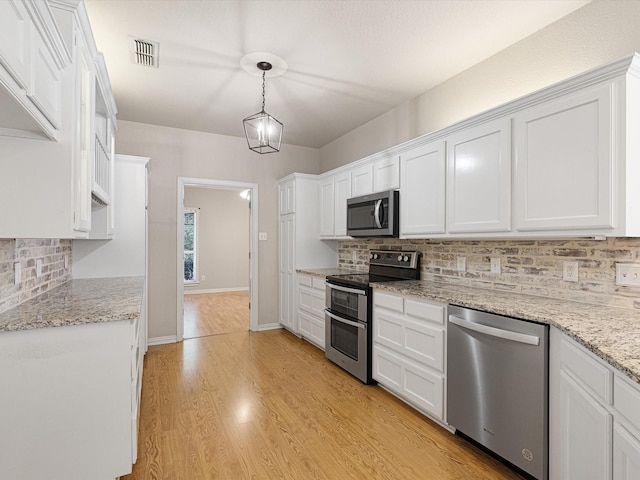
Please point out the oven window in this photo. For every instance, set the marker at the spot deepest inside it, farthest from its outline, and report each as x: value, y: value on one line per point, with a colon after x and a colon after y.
x: 344, y: 338
x: 345, y: 303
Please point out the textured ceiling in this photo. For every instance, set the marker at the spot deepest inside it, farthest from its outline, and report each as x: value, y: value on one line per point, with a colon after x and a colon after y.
x: 348, y: 61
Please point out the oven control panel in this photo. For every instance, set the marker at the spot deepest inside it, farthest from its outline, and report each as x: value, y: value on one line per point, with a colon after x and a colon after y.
x: 394, y: 258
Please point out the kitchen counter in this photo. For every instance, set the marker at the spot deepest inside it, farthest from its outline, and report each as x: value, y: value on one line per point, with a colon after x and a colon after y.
x: 325, y: 272
x: 612, y: 333
x: 78, y: 302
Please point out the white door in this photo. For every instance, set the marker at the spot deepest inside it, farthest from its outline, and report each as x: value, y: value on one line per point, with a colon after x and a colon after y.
x: 564, y: 163
x: 479, y: 178
x: 287, y: 272
x: 422, y: 196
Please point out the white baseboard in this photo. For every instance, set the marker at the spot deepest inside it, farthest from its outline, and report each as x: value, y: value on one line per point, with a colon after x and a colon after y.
x: 268, y: 326
x: 188, y: 291
x: 162, y: 340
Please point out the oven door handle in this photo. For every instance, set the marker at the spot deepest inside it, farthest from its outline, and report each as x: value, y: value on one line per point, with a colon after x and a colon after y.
x: 495, y: 332
x: 345, y: 289
x: 348, y: 322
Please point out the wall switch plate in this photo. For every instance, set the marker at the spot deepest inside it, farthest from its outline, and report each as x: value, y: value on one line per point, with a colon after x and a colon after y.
x: 262, y: 236
x: 462, y: 264
x: 66, y: 262
x: 38, y: 268
x: 570, y: 271
x: 354, y: 256
x: 17, y: 269
x: 628, y: 274
x: 495, y: 265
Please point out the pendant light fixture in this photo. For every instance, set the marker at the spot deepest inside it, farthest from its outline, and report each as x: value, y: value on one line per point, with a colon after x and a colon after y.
x: 263, y: 132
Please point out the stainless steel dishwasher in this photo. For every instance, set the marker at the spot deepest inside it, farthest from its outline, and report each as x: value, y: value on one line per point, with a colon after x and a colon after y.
x: 497, y: 385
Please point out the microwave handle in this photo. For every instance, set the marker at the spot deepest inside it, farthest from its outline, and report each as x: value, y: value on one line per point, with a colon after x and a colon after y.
x: 376, y: 213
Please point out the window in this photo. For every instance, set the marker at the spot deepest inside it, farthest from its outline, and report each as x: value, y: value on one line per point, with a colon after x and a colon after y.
x: 190, y: 245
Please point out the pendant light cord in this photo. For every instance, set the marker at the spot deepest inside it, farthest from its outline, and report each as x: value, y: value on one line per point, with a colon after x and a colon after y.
x: 263, y: 75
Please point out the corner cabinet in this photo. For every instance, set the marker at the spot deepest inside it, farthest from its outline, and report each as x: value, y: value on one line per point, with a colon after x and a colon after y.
x: 594, y: 419
x: 409, y: 341
x: 299, y: 242
x: 62, y: 186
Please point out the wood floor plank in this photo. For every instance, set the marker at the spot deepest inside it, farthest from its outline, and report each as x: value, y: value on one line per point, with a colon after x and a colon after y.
x: 268, y: 405
x: 215, y: 313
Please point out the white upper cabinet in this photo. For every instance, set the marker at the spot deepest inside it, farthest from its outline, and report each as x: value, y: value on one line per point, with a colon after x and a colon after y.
x: 15, y: 41
x: 327, y: 207
x: 564, y: 159
x: 479, y: 178
x: 422, y: 196
x: 342, y: 191
x: 287, y: 197
x: 386, y: 174
x: 362, y: 180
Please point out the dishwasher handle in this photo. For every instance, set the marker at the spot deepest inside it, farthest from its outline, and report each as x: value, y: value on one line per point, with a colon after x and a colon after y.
x: 495, y: 332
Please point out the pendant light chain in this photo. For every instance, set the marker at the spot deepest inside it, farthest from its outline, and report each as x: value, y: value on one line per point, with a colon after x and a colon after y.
x: 263, y: 75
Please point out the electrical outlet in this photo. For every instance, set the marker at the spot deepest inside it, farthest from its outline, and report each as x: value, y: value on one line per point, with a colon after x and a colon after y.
x: 203, y: 278
x: 262, y: 236
x: 462, y: 264
x: 628, y: 274
x: 495, y: 266
x: 570, y: 271
x: 66, y: 262
x: 17, y: 269
x: 38, y: 268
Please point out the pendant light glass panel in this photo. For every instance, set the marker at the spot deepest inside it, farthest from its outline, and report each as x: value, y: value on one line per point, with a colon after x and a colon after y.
x: 263, y: 132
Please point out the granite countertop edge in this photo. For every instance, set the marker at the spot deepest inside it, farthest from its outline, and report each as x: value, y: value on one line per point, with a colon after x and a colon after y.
x: 612, y: 333
x: 78, y: 302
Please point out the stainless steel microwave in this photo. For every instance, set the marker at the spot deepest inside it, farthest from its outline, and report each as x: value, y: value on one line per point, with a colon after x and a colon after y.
x: 374, y: 215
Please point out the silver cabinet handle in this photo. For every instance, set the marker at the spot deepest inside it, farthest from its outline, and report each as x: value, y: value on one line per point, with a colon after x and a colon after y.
x: 376, y: 213
x: 348, y: 322
x: 345, y: 289
x: 495, y: 332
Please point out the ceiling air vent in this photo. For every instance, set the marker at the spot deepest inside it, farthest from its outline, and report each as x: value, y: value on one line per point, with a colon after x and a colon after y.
x: 144, y: 52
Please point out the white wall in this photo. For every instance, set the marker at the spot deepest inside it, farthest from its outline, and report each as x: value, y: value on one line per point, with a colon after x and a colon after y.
x: 223, y: 238
x: 598, y: 33
x: 182, y: 153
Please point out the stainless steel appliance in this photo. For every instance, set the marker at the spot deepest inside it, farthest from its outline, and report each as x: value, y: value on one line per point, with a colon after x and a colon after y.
x: 348, y: 309
x: 374, y: 215
x: 497, y: 386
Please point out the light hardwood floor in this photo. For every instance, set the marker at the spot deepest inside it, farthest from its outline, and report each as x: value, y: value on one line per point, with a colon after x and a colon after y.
x: 215, y: 313
x: 268, y: 405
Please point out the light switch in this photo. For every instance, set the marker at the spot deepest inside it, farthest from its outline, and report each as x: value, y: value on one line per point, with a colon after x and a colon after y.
x: 462, y: 264
x: 17, y: 268
x: 38, y: 268
x: 495, y: 265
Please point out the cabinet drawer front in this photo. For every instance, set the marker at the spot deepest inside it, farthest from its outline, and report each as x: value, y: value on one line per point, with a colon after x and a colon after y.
x: 392, y: 302
x: 418, y: 385
x: 423, y: 310
x: 626, y: 454
x: 424, y: 344
x: 311, y: 301
x: 388, y: 329
x: 626, y: 397
x: 597, y: 377
x: 318, y: 284
x: 305, y: 280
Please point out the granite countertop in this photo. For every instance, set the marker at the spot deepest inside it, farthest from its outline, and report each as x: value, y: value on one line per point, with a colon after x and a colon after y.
x: 324, y: 272
x: 612, y: 333
x: 78, y: 302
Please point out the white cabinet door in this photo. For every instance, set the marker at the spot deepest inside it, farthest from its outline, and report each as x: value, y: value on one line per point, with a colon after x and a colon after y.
x: 581, y: 441
x: 362, y: 180
x: 386, y: 174
x: 45, y: 89
x: 626, y: 454
x: 422, y: 196
x: 564, y: 156
x: 287, y: 197
x: 287, y: 272
x: 342, y: 187
x: 479, y: 179
x: 15, y: 41
x: 327, y: 208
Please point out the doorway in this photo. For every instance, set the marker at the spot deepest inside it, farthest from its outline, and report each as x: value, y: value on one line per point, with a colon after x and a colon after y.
x: 217, y: 261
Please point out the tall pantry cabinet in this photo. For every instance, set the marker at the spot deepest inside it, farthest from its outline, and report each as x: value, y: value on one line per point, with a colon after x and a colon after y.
x: 299, y: 243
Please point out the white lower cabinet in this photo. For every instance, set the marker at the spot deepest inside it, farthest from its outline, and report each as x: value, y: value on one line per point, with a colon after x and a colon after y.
x: 409, y: 338
x: 311, y: 301
x: 594, y: 416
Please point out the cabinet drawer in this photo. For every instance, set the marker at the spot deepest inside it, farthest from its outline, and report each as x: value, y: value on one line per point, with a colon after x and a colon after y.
x: 597, y: 377
x: 311, y: 301
x: 392, y: 302
x: 305, y: 280
x: 626, y: 397
x: 318, y: 284
x: 423, y: 310
x: 416, y: 384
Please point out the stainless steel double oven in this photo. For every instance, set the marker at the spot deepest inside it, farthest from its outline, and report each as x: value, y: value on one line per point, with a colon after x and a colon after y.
x: 348, y: 311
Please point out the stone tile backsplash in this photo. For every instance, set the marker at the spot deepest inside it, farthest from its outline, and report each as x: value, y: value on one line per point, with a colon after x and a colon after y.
x: 528, y: 266
x: 52, y: 252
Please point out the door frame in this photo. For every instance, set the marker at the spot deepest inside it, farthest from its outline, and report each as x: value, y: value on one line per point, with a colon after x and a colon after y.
x: 253, y: 245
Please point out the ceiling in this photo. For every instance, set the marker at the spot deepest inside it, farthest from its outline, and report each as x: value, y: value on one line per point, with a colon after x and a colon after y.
x: 349, y: 61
